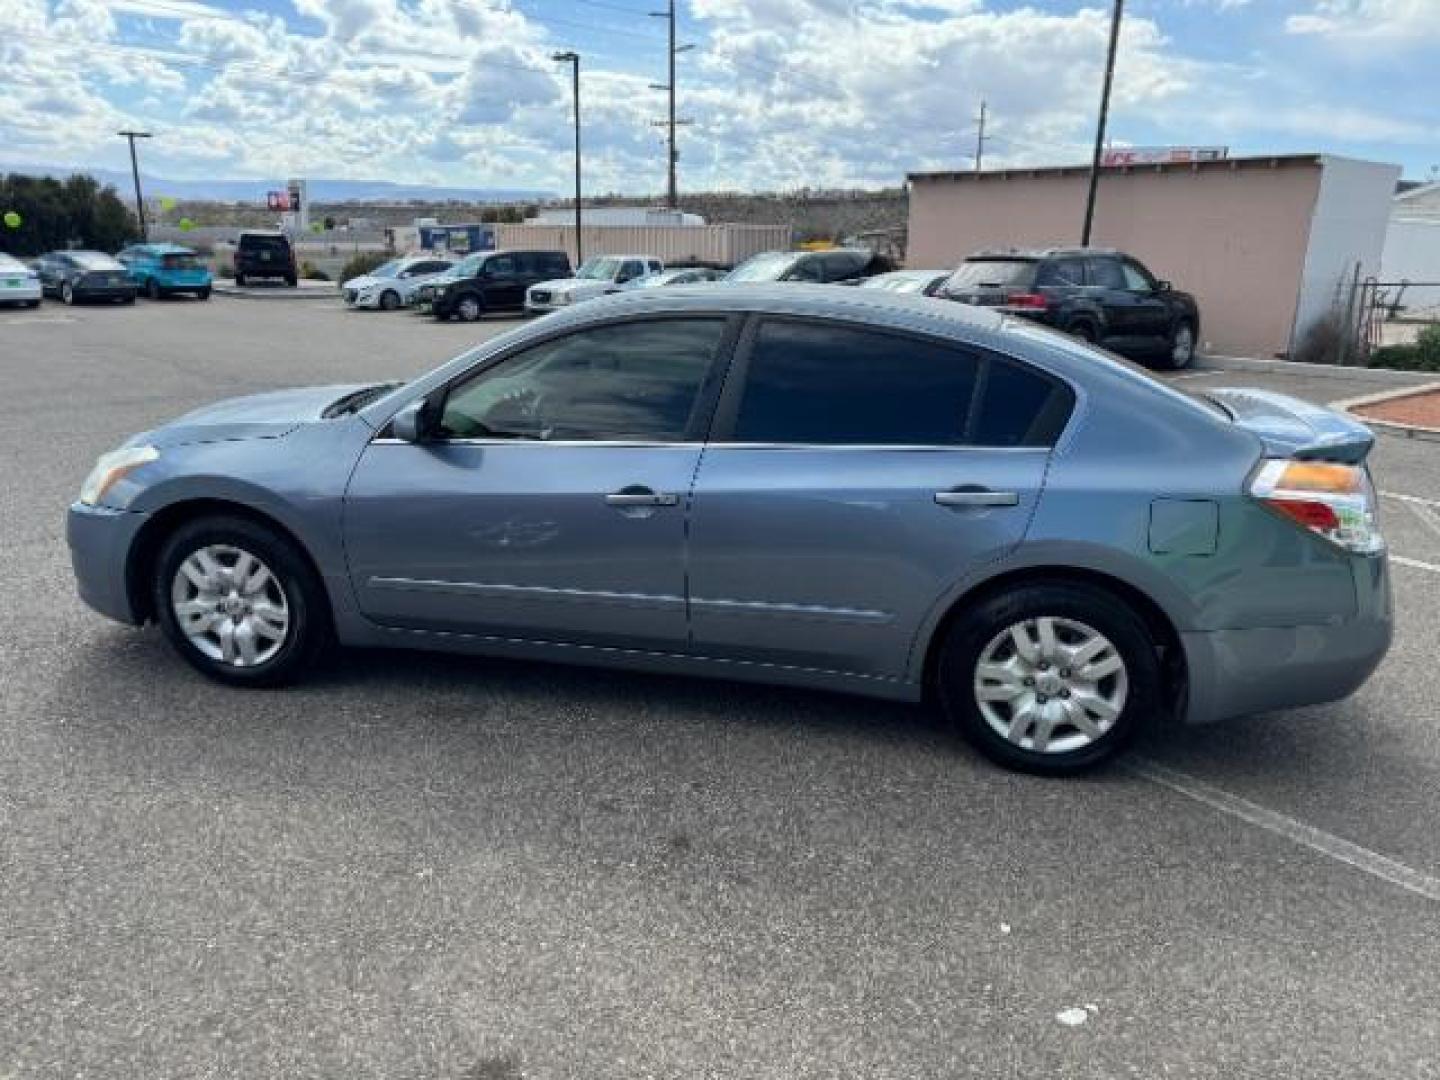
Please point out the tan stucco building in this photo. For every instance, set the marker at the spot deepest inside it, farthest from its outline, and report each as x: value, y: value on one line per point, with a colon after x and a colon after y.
x: 1267, y: 244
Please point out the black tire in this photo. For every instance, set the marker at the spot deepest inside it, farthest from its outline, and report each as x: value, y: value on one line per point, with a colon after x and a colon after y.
x: 308, y: 634
x: 239, y: 280
x: 974, y: 631
x: 1085, y: 331
x: 469, y: 308
x: 32, y: 303
x: 291, y: 280
x: 389, y: 300
x: 1170, y: 361
x: 67, y: 293
x: 203, y: 294
x: 128, y: 299
x: 152, y: 289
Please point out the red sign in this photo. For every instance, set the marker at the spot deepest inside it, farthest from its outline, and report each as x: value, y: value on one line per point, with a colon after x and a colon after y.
x: 277, y: 200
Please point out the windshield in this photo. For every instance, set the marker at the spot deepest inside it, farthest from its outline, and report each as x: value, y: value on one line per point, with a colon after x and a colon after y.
x: 179, y: 261
x: 767, y: 266
x: 603, y: 269
x: 468, y: 266
x: 983, y: 273
x: 389, y: 269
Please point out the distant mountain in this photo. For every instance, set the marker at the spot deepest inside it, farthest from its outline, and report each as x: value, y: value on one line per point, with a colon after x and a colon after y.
x: 253, y: 191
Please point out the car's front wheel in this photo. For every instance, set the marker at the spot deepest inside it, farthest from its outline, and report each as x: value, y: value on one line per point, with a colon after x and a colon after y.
x: 468, y: 307
x: 240, y: 602
x: 152, y: 289
x: 1181, y: 350
x: 67, y: 293
x: 1049, y: 677
x: 389, y: 300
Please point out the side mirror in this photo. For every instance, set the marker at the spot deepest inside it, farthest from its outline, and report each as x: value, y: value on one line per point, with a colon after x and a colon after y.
x: 409, y: 424
x: 1164, y: 286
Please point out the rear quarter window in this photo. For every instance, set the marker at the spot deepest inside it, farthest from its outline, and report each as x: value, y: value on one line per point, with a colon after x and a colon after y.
x: 984, y: 273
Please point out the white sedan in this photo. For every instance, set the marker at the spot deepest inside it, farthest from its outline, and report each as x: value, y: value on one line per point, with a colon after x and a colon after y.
x: 18, y: 283
x: 393, y: 285
x: 596, y: 277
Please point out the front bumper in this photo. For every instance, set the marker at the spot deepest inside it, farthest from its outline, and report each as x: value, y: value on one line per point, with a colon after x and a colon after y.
x: 100, y: 541
x: 1262, y: 669
x: 540, y: 307
x: 355, y: 299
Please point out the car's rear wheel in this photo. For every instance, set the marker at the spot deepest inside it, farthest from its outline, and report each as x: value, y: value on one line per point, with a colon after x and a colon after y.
x: 469, y: 308
x: 203, y: 294
x: 1049, y: 677
x: 1181, y: 352
x: 1085, y: 331
x: 239, y: 279
x: 291, y: 280
x: 67, y: 293
x: 240, y: 602
x: 152, y: 289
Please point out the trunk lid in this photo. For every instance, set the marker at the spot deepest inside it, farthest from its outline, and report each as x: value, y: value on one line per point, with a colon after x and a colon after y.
x: 1293, y: 428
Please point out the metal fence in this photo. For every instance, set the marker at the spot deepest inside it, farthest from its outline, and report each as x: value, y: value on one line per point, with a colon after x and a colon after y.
x: 723, y: 245
x: 1386, y: 313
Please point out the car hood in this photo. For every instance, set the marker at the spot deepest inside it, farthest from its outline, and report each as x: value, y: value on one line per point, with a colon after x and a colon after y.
x: 575, y: 284
x: 364, y: 281
x: 258, y: 416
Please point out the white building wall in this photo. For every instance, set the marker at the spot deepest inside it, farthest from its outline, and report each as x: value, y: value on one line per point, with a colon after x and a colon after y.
x: 1412, y: 253
x: 1347, y: 228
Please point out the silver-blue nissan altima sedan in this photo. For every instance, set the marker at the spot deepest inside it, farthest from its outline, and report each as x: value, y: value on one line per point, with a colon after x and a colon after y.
x: 849, y: 490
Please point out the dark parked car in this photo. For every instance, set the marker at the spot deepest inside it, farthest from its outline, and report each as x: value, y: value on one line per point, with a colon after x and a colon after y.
x: 265, y: 255
x: 837, y: 266
x: 490, y: 281
x: 1101, y: 296
x: 74, y: 276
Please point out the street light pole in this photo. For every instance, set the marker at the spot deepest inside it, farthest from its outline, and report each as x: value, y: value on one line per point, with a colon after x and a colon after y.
x: 135, y: 171
x: 670, y: 123
x: 1100, y: 126
x: 573, y: 59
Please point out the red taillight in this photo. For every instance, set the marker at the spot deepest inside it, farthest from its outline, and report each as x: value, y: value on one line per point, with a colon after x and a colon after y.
x: 1034, y: 301
x: 1313, y: 515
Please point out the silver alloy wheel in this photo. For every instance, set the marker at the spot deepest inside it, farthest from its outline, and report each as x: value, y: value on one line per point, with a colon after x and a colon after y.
x: 67, y: 293
x: 1051, y: 685
x: 1183, y: 348
x: 230, y: 605
x: 468, y: 308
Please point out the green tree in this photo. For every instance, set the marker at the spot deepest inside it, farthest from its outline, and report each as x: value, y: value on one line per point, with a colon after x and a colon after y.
x: 55, y: 214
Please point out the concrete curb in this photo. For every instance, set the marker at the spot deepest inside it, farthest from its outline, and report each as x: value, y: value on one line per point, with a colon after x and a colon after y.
x: 1319, y: 371
x: 327, y: 292
x: 1390, y: 427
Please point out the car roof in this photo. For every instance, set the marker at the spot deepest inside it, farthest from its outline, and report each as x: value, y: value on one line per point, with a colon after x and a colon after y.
x: 1038, y: 253
x: 163, y: 249
x: 6, y: 257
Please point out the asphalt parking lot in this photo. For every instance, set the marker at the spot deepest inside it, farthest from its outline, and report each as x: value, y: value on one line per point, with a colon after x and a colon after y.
x: 419, y: 866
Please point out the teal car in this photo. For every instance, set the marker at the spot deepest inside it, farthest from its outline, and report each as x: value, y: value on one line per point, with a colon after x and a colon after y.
x: 165, y: 269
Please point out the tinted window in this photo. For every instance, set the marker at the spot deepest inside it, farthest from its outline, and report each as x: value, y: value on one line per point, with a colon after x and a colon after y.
x: 500, y: 265
x: 1106, y: 273
x: 251, y: 242
x: 811, y: 383
x: 1062, y: 272
x: 979, y: 273
x: 635, y: 381
x: 807, y: 270
x: 1019, y: 407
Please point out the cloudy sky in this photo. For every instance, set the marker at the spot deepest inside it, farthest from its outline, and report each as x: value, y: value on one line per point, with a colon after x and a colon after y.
x: 783, y: 93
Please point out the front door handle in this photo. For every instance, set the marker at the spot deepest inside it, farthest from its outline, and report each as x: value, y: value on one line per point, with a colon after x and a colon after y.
x: 977, y: 497
x: 638, y: 496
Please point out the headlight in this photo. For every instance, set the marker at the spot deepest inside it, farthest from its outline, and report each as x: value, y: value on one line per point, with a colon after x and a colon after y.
x: 561, y: 298
x: 111, y: 467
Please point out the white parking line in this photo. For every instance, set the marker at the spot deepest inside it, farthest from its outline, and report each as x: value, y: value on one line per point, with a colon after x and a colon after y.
x: 1413, y: 500
x: 1415, y: 564
x: 1327, y: 844
x: 38, y: 320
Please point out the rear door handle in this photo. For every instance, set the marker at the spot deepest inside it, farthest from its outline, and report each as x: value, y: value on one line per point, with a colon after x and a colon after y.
x: 641, y: 497
x: 977, y: 498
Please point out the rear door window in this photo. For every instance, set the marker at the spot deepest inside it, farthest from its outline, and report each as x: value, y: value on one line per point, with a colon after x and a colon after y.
x: 1064, y: 273
x: 1106, y: 273
x: 500, y: 266
x: 991, y: 273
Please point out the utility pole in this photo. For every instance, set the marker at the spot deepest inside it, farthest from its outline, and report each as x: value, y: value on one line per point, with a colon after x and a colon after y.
x: 135, y: 171
x: 1100, y: 126
x: 573, y: 59
x: 672, y: 155
x: 980, y: 137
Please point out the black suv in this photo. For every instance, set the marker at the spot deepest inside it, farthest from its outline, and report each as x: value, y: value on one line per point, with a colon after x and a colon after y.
x: 1105, y: 297
x: 265, y: 255
x: 490, y: 281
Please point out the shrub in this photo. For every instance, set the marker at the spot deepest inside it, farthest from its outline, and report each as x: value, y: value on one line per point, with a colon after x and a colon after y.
x: 1423, y: 355
x: 1322, y: 342
x: 362, y: 262
x: 311, y: 272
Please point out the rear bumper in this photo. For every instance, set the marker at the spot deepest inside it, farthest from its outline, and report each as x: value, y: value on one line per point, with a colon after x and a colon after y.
x: 20, y: 294
x: 100, y: 539
x: 1262, y: 669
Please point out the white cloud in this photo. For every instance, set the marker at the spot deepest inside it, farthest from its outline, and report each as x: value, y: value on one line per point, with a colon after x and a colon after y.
x: 1352, y: 22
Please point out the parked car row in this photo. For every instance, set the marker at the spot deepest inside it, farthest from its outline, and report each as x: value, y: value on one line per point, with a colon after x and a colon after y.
x: 80, y: 276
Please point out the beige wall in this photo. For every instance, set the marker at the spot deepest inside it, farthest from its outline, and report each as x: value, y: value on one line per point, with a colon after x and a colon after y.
x: 727, y: 244
x: 1234, y: 237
